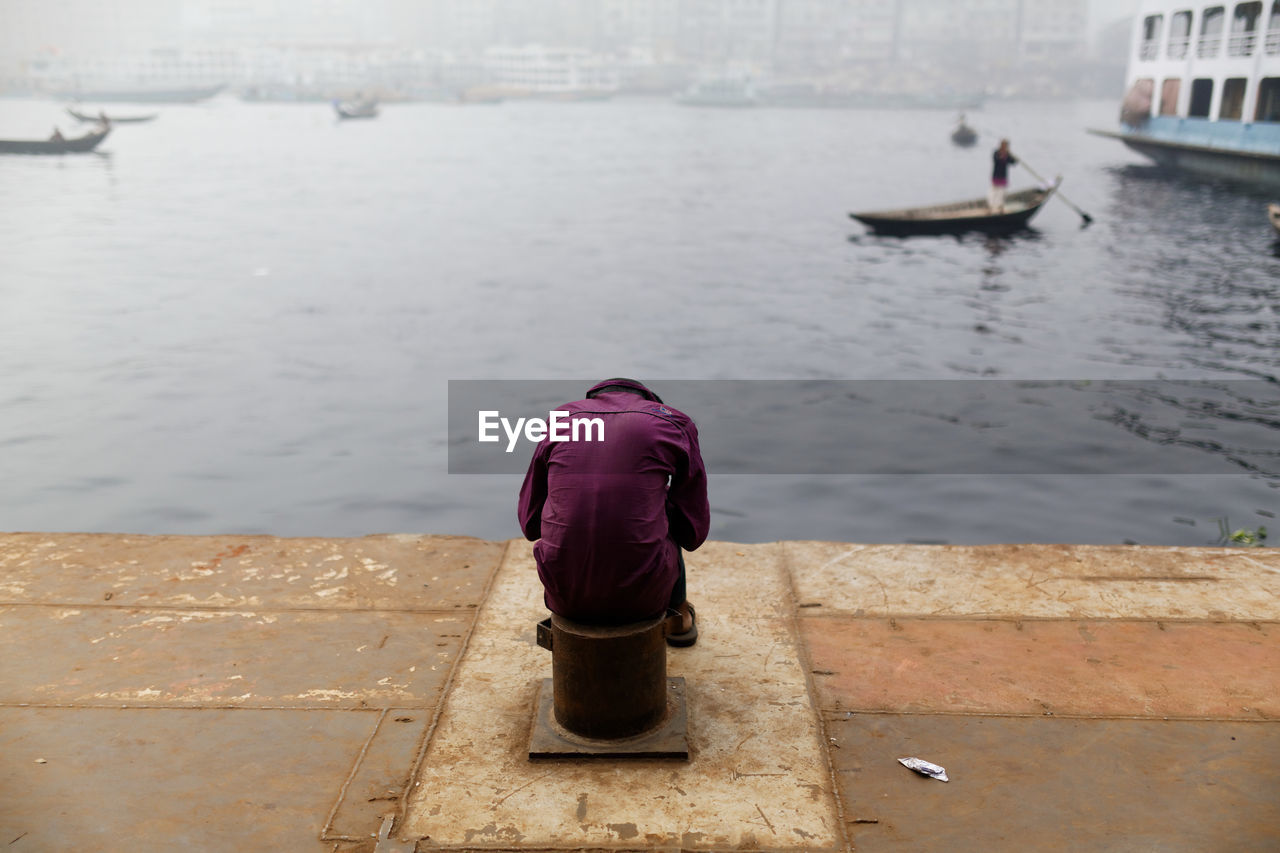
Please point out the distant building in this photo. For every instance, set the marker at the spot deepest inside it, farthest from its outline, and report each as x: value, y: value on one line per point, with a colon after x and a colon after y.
x: 246, y: 23
x: 1054, y: 30
x: 985, y: 44
x: 998, y: 32
x: 540, y: 70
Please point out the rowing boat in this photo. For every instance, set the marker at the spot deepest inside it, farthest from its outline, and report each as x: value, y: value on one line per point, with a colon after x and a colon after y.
x: 87, y: 117
x: 78, y: 145
x: 961, y: 216
x: 964, y: 136
x: 356, y: 109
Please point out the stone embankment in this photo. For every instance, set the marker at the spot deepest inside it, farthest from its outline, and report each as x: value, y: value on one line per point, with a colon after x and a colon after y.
x: 252, y: 693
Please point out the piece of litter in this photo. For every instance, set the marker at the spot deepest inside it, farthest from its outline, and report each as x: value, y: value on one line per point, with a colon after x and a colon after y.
x: 925, y: 768
x: 41, y: 761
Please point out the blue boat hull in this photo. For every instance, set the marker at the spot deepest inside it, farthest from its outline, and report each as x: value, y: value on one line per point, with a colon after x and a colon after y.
x: 1243, y: 153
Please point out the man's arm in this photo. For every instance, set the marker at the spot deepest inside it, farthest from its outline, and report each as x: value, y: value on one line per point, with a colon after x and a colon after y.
x: 688, y: 513
x: 533, y: 494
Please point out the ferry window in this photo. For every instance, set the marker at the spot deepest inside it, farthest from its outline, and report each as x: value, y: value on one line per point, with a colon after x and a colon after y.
x: 1232, y: 108
x: 1273, y: 29
x: 1169, y: 96
x: 1180, y: 34
x: 1210, y: 33
x: 1244, y: 29
x: 1150, y: 37
x: 1201, y: 97
x: 1268, y: 99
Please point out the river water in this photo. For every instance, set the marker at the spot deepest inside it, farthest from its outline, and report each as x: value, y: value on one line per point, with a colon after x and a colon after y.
x: 242, y: 318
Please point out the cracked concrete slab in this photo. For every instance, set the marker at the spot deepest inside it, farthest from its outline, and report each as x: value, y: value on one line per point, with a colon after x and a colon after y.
x: 136, y: 781
x: 757, y: 778
x: 100, y: 655
x: 1107, y: 668
x: 382, y: 777
x: 1058, y: 785
x: 1037, y: 581
x: 393, y: 572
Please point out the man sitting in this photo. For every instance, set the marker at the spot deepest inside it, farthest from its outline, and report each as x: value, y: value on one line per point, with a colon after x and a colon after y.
x: 611, y: 515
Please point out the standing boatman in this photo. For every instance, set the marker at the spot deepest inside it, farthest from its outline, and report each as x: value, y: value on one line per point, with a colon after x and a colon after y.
x: 611, y: 516
x: 1001, y: 160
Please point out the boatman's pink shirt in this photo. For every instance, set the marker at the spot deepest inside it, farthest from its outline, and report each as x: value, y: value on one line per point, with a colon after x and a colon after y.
x: 607, y: 522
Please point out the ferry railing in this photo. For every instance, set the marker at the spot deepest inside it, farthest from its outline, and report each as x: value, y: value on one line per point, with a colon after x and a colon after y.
x: 1242, y: 44
x: 1273, y: 42
x: 1208, y: 47
x: 1178, y: 47
x: 1149, y: 49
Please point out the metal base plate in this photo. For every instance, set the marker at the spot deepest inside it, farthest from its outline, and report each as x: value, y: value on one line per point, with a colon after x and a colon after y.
x: 670, y: 739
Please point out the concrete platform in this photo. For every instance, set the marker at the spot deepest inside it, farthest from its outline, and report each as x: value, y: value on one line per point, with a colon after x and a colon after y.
x: 376, y: 694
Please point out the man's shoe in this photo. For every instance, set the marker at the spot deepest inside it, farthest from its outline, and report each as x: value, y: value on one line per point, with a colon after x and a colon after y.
x: 689, y: 637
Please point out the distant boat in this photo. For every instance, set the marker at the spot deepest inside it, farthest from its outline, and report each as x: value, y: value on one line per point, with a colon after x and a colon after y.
x: 1273, y: 213
x: 79, y: 116
x: 143, y: 95
x: 959, y: 217
x: 77, y: 145
x: 964, y: 136
x: 356, y: 109
x: 285, y: 94
x: 719, y: 92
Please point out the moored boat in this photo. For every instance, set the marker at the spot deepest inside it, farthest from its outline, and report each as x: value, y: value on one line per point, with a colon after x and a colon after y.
x: 77, y: 145
x: 101, y: 118
x: 356, y: 109
x: 1273, y: 213
x: 1203, y: 89
x: 963, y: 135
x: 961, y: 216
x: 719, y: 92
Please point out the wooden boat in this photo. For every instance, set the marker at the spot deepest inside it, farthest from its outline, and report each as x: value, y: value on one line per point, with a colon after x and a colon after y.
x: 356, y: 109
x: 961, y: 216
x: 79, y: 116
x: 78, y: 145
x: 1273, y: 213
x: 964, y: 136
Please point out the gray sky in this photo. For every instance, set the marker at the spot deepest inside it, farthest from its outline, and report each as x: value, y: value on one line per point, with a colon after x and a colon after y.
x: 1102, y: 12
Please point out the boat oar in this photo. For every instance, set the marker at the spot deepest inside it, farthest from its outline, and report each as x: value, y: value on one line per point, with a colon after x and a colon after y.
x: 1086, y: 217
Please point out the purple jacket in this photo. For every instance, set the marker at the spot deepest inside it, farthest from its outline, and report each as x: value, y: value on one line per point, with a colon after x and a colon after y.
x: 609, y: 525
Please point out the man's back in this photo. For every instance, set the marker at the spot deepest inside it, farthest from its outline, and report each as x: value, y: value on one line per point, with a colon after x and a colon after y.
x: 609, y: 524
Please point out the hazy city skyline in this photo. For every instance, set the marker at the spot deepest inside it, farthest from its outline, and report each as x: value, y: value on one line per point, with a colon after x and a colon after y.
x: 83, y: 26
x: 422, y: 48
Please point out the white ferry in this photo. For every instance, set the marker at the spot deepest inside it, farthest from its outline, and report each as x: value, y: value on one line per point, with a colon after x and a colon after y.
x: 719, y: 92
x: 1203, y: 88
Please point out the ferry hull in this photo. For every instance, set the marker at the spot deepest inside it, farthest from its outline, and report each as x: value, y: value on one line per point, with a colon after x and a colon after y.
x: 1247, y: 167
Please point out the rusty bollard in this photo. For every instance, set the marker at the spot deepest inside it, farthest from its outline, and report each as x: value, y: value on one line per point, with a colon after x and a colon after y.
x: 609, y: 692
